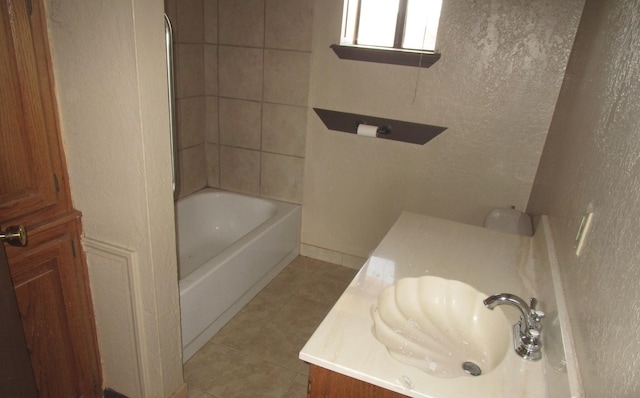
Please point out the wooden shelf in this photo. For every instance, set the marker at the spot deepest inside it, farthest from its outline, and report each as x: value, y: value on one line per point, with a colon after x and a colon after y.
x: 394, y: 56
x: 390, y: 129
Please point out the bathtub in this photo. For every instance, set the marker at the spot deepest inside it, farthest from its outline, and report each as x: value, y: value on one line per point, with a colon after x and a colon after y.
x: 230, y: 246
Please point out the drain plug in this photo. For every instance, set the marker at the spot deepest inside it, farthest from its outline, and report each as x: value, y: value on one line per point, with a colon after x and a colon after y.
x: 472, y: 368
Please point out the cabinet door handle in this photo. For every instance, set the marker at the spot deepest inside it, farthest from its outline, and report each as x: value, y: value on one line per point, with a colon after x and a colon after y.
x: 15, y: 235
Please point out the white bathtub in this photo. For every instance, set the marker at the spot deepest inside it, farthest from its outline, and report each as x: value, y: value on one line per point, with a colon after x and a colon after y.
x: 230, y: 246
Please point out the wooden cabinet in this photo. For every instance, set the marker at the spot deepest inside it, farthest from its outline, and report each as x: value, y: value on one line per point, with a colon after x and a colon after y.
x: 32, y: 172
x: 49, y: 279
x: 49, y: 275
x: 324, y: 383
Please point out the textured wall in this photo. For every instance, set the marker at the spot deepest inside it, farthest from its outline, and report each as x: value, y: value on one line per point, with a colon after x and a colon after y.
x: 590, y: 162
x: 495, y: 88
x: 109, y: 67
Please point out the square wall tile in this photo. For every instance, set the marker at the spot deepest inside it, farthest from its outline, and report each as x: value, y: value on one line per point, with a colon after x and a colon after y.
x: 281, y: 177
x: 211, y: 120
x: 240, y: 123
x: 240, y: 170
x: 288, y: 24
x: 191, y: 121
x: 284, y: 129
x: 194, y: 164
x: 240, y: 72
x: 211, y: 69
x: 213, y: 165
x: 210, y: 21
x: 241, y: 22
x: 286, y: 77
x: 189, y: 72
x: 190, y: 28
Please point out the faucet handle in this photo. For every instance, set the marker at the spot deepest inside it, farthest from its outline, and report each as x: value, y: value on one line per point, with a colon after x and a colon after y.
x: 537, y: 314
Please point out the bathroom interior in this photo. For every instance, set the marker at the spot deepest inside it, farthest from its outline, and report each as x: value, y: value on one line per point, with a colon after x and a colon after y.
x: 538, y: 103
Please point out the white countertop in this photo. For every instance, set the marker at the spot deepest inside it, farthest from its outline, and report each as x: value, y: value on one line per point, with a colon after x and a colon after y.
x: 419, y: 245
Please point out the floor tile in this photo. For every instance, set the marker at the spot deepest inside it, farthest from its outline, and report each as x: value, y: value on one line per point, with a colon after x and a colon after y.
x: 336, y: 272
x: 252, y: 377
x: 289, y: 279
x: 267, y: 303
x: 209, y: 360
x: 301, y: 314
x: 321, y: 289
x: 307, y: 264
x: 195, y: 392
x: 240, y: 331
x: 256, y: 353
x: 299, y: 387
x: 279, y: 345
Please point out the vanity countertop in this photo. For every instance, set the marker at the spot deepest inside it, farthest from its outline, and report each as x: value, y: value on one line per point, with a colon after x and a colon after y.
x: 418, y: 245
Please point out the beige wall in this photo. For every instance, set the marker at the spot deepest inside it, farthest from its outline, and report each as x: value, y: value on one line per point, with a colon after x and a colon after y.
x: 108, y: 60
x: 494, y: 88
x: 242, y: 87
x: 590, y: 163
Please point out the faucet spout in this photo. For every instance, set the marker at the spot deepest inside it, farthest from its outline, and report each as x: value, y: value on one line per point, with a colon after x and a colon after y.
x: 526, y: 332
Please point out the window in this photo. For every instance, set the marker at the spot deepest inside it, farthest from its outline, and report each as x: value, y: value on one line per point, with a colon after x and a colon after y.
x: 390, y: 31
x: 403, y: 24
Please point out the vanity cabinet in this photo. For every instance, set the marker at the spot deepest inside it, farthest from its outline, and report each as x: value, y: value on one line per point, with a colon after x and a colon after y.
x: 420, y: 246
x: 324, y: 383
x: 49, y: 274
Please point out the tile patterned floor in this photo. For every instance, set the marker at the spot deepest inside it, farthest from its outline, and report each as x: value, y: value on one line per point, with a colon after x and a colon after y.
x: 256, y: 353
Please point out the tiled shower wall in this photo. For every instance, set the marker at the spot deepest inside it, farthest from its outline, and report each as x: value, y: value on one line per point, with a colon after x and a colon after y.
x: 242, y: 82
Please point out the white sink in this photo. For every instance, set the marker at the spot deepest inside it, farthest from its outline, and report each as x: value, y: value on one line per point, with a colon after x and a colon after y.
x: 437, y: 325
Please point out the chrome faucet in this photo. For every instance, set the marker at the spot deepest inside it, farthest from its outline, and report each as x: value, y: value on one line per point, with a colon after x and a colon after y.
x: 526, y: 332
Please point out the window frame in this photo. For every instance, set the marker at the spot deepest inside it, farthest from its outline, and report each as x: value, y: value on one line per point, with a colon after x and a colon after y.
x: 396, y: 55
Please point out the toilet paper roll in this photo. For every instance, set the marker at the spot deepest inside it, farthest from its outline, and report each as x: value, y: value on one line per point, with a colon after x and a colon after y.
x: 367, y: 130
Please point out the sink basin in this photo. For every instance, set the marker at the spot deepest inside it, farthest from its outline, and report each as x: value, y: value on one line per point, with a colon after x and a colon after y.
x: 440, y: 326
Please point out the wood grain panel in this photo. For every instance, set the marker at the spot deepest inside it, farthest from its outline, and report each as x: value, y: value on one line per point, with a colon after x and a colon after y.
x: 30, y: 159
x: 16, y: 374
x: 325, y: 383
x: 45, y: 322
x: 49, y: 275
x: 56, y: 311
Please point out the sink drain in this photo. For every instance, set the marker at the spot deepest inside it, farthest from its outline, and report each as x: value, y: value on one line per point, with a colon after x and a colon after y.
x: 472, y: 368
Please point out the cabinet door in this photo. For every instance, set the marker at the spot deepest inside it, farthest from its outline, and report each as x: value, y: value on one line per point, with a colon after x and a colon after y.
x: 49, y: 275
x: 31, y: 170
x: 16, y: 376
x: 324, y: 383
x: 54, y: 306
